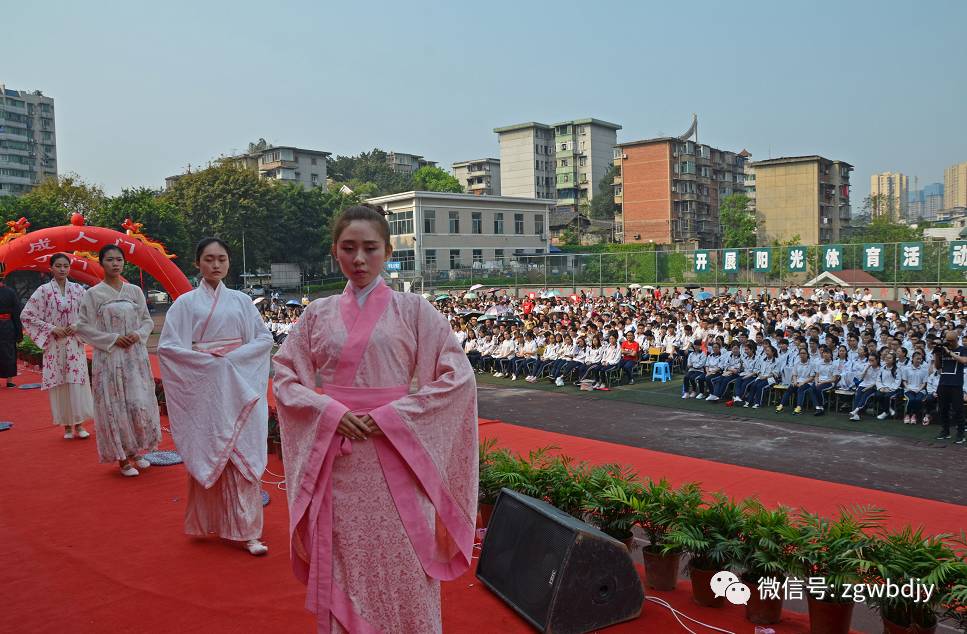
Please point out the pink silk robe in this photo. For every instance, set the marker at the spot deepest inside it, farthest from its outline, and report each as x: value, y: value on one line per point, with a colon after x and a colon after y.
x: 65, y: 361
x: 376, y: 524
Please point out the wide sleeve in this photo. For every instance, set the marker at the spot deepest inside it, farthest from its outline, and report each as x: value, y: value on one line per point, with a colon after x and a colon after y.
x: 306, y: 417
x: 259, y: 342
x: 87, y: 326
x: 32, y: 316
x: 434, y: 430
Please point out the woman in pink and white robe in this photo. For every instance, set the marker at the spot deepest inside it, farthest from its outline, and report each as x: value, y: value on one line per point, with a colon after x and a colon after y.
x: 50, y: 318
x: 378, y: 414
x: 214, y: 356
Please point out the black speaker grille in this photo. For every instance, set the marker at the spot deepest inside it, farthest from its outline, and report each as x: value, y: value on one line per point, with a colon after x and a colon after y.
x: 523, y: 555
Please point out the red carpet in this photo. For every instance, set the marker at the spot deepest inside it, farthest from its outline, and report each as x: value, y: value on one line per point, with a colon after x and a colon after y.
x: 86, y: 550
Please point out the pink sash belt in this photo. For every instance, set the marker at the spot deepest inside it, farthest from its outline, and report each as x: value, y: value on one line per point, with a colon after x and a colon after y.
x: 322, y: 594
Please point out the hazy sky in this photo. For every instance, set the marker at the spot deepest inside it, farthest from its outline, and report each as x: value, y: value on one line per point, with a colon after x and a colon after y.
x: 144, y: 88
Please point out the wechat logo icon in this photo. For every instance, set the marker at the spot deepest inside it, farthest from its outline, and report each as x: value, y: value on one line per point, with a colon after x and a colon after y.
x: 725, y: 584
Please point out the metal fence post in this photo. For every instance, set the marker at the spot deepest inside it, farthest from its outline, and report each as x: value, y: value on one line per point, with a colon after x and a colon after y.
x: 627, y: 279
x: 600, y: 274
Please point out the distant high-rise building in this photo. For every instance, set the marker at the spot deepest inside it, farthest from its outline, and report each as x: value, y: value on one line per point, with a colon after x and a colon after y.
x: 926, y: 203
x: 285, y: 163
x: 28, y: 140
x: 804, y: 196
x: 480, y: 177
x: 564, y: 162
x: 889, y: 190
x: 955, y: 186
x: 403, y: 163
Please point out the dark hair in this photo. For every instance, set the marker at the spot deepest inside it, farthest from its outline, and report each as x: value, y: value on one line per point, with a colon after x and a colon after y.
x: 367, y: 212
x: 107, y: 248
x: 205, y: 242
x: 60, y: 256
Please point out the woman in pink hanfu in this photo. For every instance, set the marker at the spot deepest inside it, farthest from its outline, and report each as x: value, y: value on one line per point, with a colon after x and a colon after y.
x: 378, y: 412
x: 50, y: 318
x: 214, y: 355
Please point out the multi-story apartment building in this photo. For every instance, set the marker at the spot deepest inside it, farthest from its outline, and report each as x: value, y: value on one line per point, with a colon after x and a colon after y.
x: 403, y: 163
x: 527, y: 161
x: 955, y: 186
x: 584, y: 152
x: 890, y: 191
x: 804, y: 196
x: 748, y: 177
x: 480, y: 177
x: 28, y: 140
x: 669, y: 190
x: 283, y: 163
x: 436, y: 232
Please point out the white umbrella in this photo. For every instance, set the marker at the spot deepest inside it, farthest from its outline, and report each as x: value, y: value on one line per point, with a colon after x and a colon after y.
x: 634, y: 285
x: 258, y: 300
x: 470, y: 296
x: 475, y: 287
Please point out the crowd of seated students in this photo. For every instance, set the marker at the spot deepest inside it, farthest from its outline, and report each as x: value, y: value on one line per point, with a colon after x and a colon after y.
x: 280, y: 319
x: 799, y: 350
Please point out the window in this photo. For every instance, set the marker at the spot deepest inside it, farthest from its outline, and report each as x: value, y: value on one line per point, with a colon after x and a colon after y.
x: 406, y: 258
x: 564, y: 147
x: 298, y: 175
x: 429, y: 221
x: 499, y: 256
x: 454, y: 222
x: 519, y: 224
x: 476, y: 222
x: 537, y: 165
x: 478, y: 256
x: 401, y: 223
x: 429, y: 258
x: 564, y: 163
x: 583, y: 161
x: 454, y: 258
x: 539, y: 224
x: 313, y: 160
x: 499, y: 223
x: 315, y: 179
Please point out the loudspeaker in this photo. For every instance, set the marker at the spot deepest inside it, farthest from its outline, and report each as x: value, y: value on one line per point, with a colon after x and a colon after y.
x: 559, y: 573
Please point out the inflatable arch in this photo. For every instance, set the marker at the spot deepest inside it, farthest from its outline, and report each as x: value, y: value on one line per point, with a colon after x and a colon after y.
x: 32, y: 250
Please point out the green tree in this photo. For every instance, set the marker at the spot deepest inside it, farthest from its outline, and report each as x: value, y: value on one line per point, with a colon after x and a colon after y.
x: 882, y: 229
x: 51, y: 203
x: 880, y: 206
x: 231, y: 202
x: 368, y: 167
x: 162, y: 221
x: 602, y: 205
x: 738, y: 222
x: 434, y: 179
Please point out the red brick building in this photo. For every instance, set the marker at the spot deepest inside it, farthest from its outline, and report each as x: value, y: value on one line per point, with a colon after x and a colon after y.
x: 669, y: 190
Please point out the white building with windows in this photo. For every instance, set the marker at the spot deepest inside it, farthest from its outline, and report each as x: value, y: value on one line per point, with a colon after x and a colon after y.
x: 28, y: 140
x: 441, y: 233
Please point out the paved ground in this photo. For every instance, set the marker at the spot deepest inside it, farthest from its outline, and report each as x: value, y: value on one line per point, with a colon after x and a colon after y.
x: 910, y: 464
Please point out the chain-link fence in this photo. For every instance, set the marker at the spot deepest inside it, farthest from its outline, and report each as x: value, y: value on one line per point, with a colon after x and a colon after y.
x: 931, y: 263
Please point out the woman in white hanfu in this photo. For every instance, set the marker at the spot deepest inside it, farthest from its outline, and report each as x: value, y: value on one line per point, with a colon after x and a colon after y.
x: 114, y: 319
x: 214, y: 353
x: 50, y: 318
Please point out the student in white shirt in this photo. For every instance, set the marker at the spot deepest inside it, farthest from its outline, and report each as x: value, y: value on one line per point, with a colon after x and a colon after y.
x: 714, y: 365
x: 749, y: 373
x: 473, y: 353
x: 594, y: 355
x: 824, y: 380
x: 610, y: 361
x: 548, y: 356
x: 915, y: 388
x: 888, y: 386
x: 526, y: 358
x: 865, y: 386
x: 799, y: 380
x: 694, y: 370
x: 930, y: 401
x: 565, y: 354
x: 500, y: 356
x: 768, y: 374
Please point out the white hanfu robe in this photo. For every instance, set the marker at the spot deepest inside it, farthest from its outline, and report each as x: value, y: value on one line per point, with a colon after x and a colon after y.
x: 214, y: 355
x: 65, y: 362
x: 126, y: 418
x: 376, y: 525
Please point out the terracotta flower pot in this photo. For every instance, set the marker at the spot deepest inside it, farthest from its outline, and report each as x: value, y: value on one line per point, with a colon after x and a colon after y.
x: 661, y: 571
x: 702, y: 587
x: 829, y: 617
x: 486, y: 510
x: 761, y: 611
x: 889, y: 627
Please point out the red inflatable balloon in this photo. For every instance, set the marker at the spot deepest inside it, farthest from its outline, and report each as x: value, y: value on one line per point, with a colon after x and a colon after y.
x: 35, y: 248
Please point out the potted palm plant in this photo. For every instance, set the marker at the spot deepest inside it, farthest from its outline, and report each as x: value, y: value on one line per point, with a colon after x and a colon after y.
x: 829, y: 549
x: 710, y: 533
x: 658, y: 507
x: 908, y: 558
x: 765, y: 557
x: 563, y: 483
x: 602, y: 510
x: 494, y: 464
